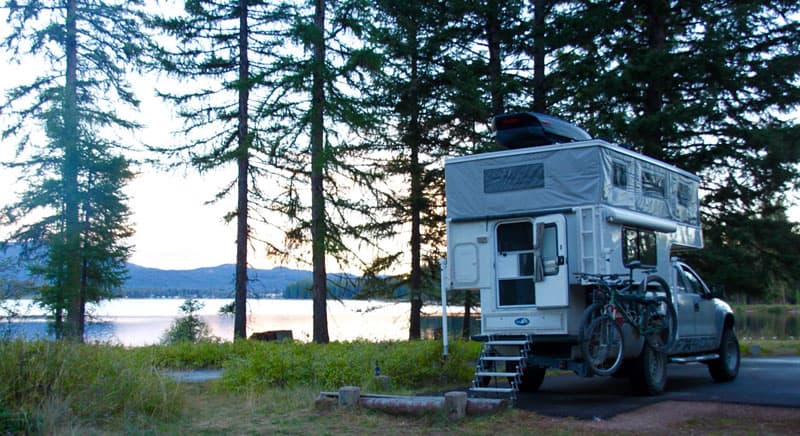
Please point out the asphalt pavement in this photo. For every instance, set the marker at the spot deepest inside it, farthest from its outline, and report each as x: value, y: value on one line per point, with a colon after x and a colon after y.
x: 763, y: 381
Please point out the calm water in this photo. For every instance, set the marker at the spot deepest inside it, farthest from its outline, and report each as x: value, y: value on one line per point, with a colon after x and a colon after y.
x: 136, y: 322
x: 768, y: 325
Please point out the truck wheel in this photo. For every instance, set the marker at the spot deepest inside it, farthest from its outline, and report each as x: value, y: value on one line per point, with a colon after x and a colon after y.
x: 649, y: 372
x: 532, y: 379
x: 726, y: 368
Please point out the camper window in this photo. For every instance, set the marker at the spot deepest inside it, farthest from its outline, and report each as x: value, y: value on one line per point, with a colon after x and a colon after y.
x: 620, y: 175
x: 638, y: 244
x: 515, y: 247
x: 517, y: 292
x: 683, y: 194
x: 652, y: 184
x: 516, y: 178
x: 515, y: 237
x: 550, y: 250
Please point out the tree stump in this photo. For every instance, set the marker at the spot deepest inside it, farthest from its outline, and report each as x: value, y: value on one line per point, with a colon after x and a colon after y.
x: 349, y: 395
x: 455, y: 404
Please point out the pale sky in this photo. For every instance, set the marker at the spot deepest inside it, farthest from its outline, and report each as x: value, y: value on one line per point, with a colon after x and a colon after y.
x: 174, y: 228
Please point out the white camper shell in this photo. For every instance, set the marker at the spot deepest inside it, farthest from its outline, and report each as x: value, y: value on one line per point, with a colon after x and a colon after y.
x: 521, y: 222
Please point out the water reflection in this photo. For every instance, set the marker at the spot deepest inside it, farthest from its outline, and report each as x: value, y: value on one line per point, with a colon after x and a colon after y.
x: 776, y: 323
x: 135, y: 322
x: 432, y: 326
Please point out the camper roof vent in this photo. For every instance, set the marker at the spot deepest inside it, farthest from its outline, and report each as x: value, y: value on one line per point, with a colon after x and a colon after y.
x: 531, y: 129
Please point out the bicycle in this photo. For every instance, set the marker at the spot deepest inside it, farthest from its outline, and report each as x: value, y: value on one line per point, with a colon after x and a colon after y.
x: 647, y: 307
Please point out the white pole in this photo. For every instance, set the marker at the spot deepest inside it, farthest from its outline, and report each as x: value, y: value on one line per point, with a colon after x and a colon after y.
x: 444, y: 282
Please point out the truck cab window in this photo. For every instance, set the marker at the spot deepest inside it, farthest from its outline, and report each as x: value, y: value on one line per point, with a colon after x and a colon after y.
x: 692, y: 282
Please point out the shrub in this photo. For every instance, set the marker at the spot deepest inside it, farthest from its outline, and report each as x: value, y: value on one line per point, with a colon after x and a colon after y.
x: 257, y: 366
x: 188, y: 328
x: 185, y: 355
x: 95, y: 380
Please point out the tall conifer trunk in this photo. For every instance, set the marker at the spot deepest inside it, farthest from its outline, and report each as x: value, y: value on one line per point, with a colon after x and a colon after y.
x: 318, y: 224
x: 495, y: 57
x: 243, y: 163
x: 416, y: 200
x: 72, y: 228
x: 539, y: 91
x: 466, y: 328
x: 656, y: 11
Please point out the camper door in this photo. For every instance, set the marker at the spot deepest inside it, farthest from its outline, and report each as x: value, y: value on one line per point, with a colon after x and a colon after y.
x: 531, y: 262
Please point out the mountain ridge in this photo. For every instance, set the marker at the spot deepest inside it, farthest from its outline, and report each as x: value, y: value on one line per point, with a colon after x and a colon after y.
x: 219, y: 278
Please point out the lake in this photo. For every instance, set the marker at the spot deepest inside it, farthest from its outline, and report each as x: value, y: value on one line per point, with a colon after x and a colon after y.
x: 137, y: 322
x: 769, y: 324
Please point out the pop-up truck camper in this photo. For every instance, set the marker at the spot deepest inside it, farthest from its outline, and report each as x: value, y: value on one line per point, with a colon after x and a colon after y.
x: 524, y: 224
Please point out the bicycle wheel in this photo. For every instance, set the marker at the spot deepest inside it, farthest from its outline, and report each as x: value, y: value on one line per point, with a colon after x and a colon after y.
x: 592, y: 312
x: 602, y: 345
x: 659, y: 322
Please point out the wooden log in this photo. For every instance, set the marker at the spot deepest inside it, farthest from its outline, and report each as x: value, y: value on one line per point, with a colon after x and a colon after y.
x: 272, y: 335
x: 403, y: 405
x: 483, y: 406
x: 399, y: 405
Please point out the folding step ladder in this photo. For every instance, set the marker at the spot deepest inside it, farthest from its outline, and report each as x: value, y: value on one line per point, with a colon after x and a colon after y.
x: 499, y: 369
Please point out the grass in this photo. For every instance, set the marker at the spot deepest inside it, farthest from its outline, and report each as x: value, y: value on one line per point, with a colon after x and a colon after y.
x: 267, y: 388
x: 766, y: 308
x: 768, y: 347
x: 209, y: 409
x: 58, y: 385
x: 50, y: 385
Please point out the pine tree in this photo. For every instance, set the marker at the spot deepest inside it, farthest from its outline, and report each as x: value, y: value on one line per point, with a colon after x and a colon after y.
x: 707, y: 86
x: 427, y: 95
x: 221, y: 52
x: 74, y: 176
x: 314, y: 123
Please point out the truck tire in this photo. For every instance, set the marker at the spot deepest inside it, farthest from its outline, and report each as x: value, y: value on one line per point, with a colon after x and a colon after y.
x: 648, y: 372
x: 532, y: 378
x: 726, y: 368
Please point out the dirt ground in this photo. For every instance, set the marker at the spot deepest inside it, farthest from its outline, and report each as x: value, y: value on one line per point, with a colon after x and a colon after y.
x: 669, y: 417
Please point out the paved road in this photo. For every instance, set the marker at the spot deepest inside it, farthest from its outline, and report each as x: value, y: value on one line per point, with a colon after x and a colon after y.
x: 762, y: 381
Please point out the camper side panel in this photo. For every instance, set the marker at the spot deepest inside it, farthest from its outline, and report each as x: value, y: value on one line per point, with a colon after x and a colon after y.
x: 522, y: 182
x: 469, y: 255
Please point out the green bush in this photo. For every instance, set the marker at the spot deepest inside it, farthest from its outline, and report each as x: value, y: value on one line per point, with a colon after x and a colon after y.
x: 257, y: 366
x: 17, y: 422
x: 95, y: 380
x: 188, y: 328
x: 185, y: 355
